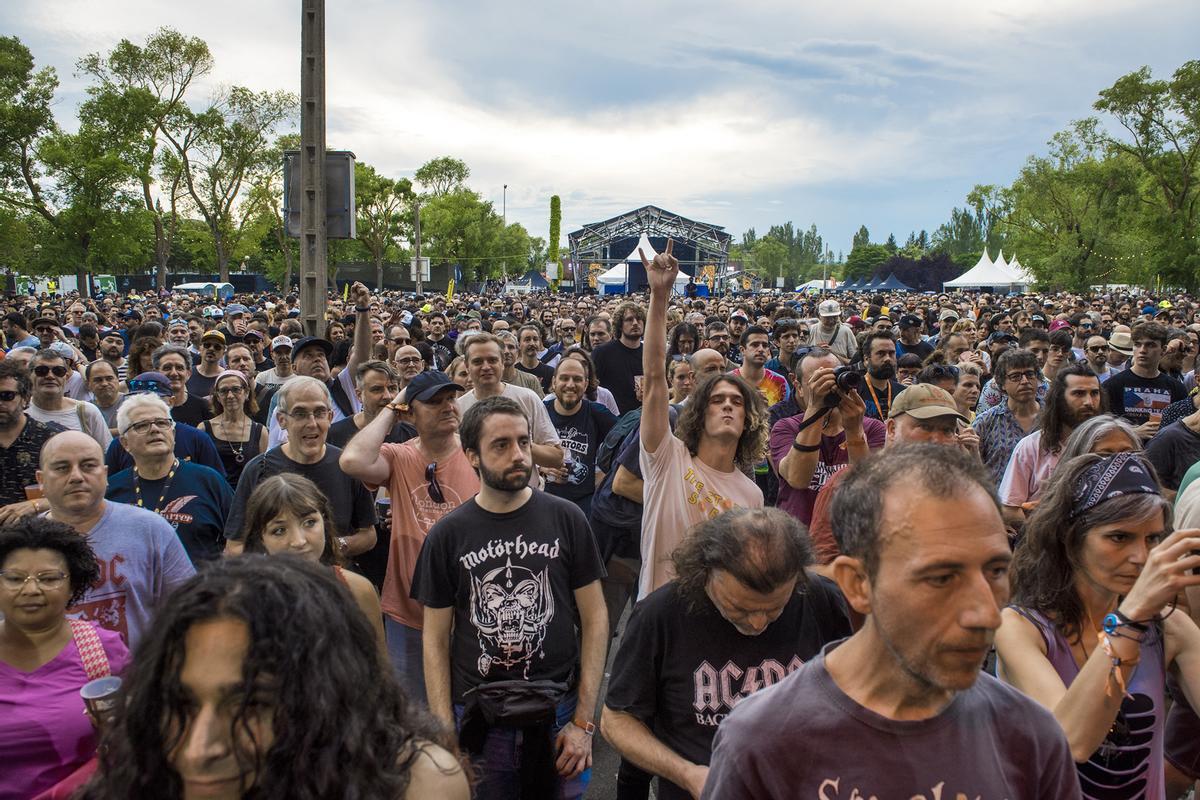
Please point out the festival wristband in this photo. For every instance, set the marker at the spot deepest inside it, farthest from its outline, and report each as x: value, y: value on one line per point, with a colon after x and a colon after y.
x: 805, y: 448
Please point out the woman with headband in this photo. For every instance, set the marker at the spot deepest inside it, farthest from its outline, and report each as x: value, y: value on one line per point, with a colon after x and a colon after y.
x: 1093, y: 630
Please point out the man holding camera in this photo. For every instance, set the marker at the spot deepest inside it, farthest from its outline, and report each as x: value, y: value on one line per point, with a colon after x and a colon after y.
x: 827, y: 436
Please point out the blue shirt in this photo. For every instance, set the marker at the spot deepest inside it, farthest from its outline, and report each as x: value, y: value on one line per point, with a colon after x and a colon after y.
x: 191, y: 444
x: 195, y: 502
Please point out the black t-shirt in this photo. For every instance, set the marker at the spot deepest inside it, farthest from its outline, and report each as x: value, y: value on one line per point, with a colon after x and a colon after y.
x: 581, y: 434
x: 617, y: 366
x: 886, y: 397
x: 200, y: 385
x: 1172, y: 451
x: 193, y: 411
x: 683, y: 684
x: 342, y: 431
x: 353, y: 505
x: 511, y: 580
x: 543, y: 373
x: 1135, y: 398
x: 443, y: 352
x: 922, y: 349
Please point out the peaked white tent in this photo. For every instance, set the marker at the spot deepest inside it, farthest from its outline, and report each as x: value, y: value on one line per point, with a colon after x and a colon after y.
x: 987, y: 273
x: 615, y: 279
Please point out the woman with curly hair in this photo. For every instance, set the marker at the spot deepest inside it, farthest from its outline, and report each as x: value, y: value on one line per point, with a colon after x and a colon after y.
x: 1091, y: 633
x: 289, y: 514
x: 685, y: 338
x: 45, y: 567
x: 258, y: 681
x: 141, y: 357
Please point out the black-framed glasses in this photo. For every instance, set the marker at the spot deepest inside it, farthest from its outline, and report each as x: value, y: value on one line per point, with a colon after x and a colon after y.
x: 41, y: 370
x: 1020, y: 377
x: 162, y: 424
x: 8, y: 395
x: 435, y: 489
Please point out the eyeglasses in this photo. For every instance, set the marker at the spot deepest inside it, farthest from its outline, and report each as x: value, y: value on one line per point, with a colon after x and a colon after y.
x: 231, y: 390
x: 401, y: 341
x: 160, y: 424
x: 7, y: 395
x: 41, y: 370
x: 212, y: 345
x: 435, y: 489
x: 304, y: 415
x: 15, y: 581
x: 1100, y: 349
x: 409, y: 360
x: 1021, y: 377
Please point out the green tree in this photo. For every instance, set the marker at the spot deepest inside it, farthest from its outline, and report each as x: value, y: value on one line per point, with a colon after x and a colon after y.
x: 441, y: 176
x: 555, y: 226
x: 144, y: 87
x: 219, y: 151
x: 1161, y: 120
x: 865, y: 259
x: 770, y: 257
x: 961, y: 237
x: 862, y: 237
x: 383, y: 214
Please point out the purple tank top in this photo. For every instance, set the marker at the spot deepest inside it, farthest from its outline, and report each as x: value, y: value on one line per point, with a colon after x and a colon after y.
x: 1129, y: 763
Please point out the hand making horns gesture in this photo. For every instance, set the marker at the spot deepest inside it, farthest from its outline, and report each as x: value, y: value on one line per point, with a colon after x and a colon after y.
x: 662, y: 271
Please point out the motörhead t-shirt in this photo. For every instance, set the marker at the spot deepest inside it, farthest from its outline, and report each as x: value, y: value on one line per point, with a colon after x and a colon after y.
x: 682, y: 685
x: 511, y: 580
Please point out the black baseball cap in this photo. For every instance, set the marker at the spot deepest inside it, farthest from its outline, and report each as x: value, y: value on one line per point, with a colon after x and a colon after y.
x: 312, y: 341
x: 426, y: 385
x: 910, y: 321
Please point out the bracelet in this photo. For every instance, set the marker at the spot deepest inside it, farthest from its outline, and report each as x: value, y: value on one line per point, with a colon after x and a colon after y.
x: 1114, y: 671
x: 805, y: 448
x: 362, y: 309
x: 1116, y: 620
x: 587, y: 727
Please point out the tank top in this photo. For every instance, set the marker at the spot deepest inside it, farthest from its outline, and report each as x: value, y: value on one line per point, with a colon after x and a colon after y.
x: 235, y: 455
x: 1129, y: 763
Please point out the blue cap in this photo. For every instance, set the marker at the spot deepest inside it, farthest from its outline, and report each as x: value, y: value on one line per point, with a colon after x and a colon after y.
x: 235, y: 308
x: 426, y: 385
x: 152, y: 382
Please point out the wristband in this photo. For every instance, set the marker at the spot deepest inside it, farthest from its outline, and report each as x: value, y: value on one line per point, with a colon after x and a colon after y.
x: 362, y: 309
x: 1118, y: 620
x: 587, y: 727
x: 805, y: 448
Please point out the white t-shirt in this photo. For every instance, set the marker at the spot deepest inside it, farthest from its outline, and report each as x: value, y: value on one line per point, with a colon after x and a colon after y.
x: 544, y: 431
x: 681, y: 490
x: 76, y: 415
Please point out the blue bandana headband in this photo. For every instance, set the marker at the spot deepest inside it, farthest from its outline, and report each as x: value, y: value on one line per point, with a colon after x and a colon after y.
x: 1114, y: 476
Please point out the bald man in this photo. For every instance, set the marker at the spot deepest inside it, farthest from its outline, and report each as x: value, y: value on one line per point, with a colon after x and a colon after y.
x: 141, y: 559
x: 707, y: 361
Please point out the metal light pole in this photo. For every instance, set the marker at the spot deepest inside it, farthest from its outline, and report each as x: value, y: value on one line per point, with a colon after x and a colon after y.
x: 314, y: 254
x: 504, y: 211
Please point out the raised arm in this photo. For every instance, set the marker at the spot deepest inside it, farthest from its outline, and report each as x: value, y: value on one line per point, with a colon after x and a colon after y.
x: 655, y: 420
x: 362, y: 457
x: 362, y: 327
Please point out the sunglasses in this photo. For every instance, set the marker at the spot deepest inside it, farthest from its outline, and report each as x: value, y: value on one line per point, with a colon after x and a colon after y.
x: 435, y: 489
x: 8, y: 395
x: 42, y: 371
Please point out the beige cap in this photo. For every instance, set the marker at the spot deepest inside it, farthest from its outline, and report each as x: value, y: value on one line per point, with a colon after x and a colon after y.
x: 1122, y: 342
x: 925, y: 401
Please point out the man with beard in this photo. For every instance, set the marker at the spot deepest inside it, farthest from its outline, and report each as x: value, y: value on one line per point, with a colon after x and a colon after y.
x: 178, y: 333
x: 902, y: 708
x: 510, y: 351
x: 510, y: 581
x: 742, y: 580
x: 21, y: 441
x: 427, y: 476
x: 910, y: 338
x: 832, y: 333
x: 112, y: 350
x: 718, y: 338
x: 619, y: 362
x: 1074, y: 397
x: 530, y: 339
x: 582, y: 425
x: 1095, y: 350
x: 756, y: 349
x: 50, y: 404
x: 880, y: 387
x: 204, y: 374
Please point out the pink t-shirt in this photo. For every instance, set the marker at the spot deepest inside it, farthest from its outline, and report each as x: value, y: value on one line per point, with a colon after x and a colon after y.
x: 1028, y: 469
x: 44, y: 733
x: 413, y: 513
x: 681, y: 490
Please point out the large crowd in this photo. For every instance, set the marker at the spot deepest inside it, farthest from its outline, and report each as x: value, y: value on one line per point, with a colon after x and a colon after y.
x: 768, y: 545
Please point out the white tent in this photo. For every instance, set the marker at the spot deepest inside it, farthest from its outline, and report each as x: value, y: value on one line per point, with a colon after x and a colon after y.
x: 618, y: 275
x: 1022, y: 274
x: 987, y: 273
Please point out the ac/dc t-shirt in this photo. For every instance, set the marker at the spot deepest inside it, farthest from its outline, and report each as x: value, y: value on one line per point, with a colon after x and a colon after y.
x: 580, y: 435
x: 511, y: 580
x: 805, y: 737
x: 683, y: 685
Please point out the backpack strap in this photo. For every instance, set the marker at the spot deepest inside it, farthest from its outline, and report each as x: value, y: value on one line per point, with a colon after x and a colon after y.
x: 91, y: 651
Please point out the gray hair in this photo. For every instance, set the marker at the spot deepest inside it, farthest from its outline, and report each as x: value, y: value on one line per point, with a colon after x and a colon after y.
x: 1086, y: 435
x: 375, y: 366
x: 171, y: 350
x: 133, y: 403
x: 940, y: 471
x: 296, y: 384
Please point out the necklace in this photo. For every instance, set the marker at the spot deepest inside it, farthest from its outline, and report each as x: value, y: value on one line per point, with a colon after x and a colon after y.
x: 238, y: 446
x: 137, y: 488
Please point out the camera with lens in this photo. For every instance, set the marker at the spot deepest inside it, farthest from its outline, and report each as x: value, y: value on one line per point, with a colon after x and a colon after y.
x: 846, y: 379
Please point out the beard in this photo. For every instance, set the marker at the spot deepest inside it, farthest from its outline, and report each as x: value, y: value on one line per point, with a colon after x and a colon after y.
x: 511, y: 481
x: 883, y: 372
x: 1082, y: 415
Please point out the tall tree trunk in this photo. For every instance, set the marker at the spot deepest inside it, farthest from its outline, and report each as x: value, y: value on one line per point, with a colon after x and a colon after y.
x: 161, y: 252
x: 222, y: 256
x: 379, y: 272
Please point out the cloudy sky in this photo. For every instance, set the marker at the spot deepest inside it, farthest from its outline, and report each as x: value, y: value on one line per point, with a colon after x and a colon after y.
x: 740, y: 114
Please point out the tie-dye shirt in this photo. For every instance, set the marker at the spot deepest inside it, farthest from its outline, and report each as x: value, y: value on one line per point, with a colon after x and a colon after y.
x: 773, y: 386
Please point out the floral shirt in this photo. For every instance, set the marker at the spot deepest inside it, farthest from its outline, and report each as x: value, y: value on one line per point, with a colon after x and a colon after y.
x: 19, y: 461
x: 999, y: 432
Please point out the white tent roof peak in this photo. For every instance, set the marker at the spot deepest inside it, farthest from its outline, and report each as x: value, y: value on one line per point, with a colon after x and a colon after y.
x: 984, y: 260
x: 1000, y: 262
x: 646, y: 247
